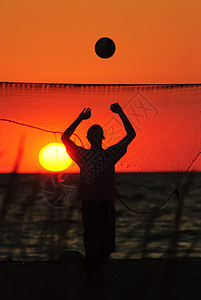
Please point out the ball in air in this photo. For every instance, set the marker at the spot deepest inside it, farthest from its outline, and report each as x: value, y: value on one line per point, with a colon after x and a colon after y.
x: 105, y: 47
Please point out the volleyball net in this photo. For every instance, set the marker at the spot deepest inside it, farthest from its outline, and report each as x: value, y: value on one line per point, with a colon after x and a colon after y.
x: 166, y: 119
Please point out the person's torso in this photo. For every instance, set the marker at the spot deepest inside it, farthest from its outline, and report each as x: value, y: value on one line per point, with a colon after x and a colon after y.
x: 97, y: 176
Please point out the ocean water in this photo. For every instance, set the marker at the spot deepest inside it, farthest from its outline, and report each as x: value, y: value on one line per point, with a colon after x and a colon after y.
x: 32, y: 228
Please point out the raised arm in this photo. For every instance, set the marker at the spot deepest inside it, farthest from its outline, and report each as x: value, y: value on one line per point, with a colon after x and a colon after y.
x: 118, y: 150
x: 72, y: 149
x: 85, y: 114
x: 116, y: 108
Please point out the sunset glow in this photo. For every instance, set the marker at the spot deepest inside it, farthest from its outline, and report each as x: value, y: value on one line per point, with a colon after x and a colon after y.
x: 53, y: 157
x: 166, y: 121
x: 49, y: 71
x: 53, y: 41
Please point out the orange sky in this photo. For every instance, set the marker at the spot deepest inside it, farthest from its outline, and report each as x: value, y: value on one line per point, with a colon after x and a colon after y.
x: 53, y: 41
x: 166, y: 121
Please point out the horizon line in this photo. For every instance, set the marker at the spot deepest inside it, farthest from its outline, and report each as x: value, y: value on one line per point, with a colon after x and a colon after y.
x: 102, y: 84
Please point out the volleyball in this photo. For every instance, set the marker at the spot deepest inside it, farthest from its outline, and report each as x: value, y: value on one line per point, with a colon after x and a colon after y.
x: 105, y: 47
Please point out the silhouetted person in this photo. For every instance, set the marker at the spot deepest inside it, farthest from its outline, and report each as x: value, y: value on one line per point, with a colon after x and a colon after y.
x: 97, y: 185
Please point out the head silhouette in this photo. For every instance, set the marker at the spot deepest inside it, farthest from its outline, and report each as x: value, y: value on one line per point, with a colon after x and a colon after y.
x: 95, y: 135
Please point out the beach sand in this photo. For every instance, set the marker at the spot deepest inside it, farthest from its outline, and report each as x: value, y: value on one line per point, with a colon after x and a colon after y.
x: 64, y: 278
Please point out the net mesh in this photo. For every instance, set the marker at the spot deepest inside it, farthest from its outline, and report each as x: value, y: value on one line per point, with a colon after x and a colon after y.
x: 166, y: 119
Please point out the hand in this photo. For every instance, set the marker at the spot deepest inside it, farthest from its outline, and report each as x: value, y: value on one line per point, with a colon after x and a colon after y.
x: 116, y: 108
x: 85, y: 114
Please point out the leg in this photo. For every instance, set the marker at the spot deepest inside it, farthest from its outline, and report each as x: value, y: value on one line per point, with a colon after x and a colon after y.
x: 90, y: 212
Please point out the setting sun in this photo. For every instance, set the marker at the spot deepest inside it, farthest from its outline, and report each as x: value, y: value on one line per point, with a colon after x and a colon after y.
x: 53, y: 157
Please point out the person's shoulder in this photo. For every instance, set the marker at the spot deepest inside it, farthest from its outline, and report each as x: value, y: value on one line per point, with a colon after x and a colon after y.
x: 117, y: 151
x: 84, y: 151
x: 115, y: 147
x: 112, y: 150
x: 82, y: 148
